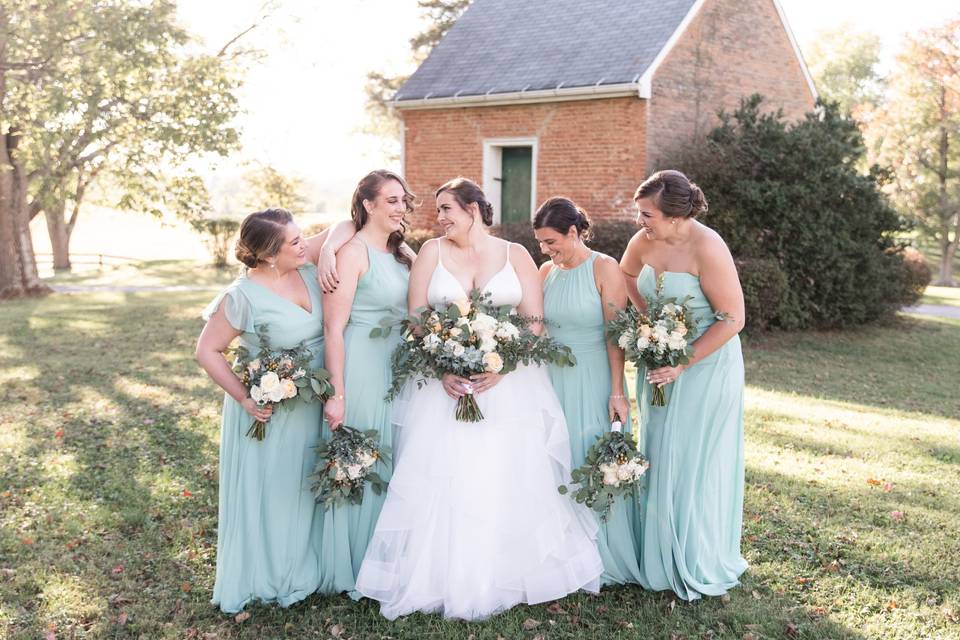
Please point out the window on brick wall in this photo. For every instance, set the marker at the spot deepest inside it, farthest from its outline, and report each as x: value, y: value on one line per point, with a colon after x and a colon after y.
x: 510, y: 178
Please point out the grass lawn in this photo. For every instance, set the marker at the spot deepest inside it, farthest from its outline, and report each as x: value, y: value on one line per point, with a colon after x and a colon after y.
x: 949, y: 296
x: 108, y: 490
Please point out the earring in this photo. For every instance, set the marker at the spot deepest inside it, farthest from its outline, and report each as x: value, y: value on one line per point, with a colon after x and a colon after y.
x: 674, y: 222
x: 273, y: 265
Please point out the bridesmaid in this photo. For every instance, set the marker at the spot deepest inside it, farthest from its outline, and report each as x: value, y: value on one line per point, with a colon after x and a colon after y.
x: 372, y: 270
x: 582, y: 290
x: 691, y: 512
x: 267, y: 534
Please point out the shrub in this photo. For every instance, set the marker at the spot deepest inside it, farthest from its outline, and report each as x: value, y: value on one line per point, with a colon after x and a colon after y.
x: 916, y: 275
x: 608, y: 236
x: 793, y: 193
x: 764, y: 291
x: 314, y: 229
x: 417, y: 236
x: 218, y: 234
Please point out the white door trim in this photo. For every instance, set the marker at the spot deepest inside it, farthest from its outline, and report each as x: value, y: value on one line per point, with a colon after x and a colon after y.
x: 493, y: 169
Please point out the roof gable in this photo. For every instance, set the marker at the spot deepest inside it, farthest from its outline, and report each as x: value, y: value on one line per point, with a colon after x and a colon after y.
x: 510, y: 46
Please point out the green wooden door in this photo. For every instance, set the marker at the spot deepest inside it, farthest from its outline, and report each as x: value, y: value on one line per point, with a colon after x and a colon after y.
x: 516, y: 174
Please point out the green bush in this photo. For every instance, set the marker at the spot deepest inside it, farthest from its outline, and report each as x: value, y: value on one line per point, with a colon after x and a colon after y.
x: 916, y: 274
x: 218, y: 235
x: 764, y: 290
x: 608, y: 236
x: 793, y: 193
x: 417, y: 236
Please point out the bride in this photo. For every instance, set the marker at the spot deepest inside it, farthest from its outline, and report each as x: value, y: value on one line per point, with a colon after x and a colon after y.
x: 473, y: 523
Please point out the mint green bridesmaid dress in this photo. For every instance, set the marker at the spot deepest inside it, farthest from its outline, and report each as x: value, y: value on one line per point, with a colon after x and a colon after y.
x: 691, y: 511
x: 381, y: 293
x: 268, y: 525
x: 574, y: 314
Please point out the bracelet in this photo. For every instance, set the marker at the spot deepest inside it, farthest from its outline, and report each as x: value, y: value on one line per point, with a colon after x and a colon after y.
x: 616, y: 397
x: 339, y: 397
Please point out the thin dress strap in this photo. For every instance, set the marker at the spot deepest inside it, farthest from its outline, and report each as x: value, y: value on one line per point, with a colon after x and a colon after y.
x: 440, y: 252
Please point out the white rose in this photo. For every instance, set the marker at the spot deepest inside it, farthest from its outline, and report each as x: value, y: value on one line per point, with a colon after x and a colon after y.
x: 607, y: 467
x: 676, y: 342
x: 507, y: 331
x: 269, y: 382
x: 276, y: 394
x: 455, y: 332
x: 611, y: 479
x: 458, y: 349
x: 483, y: 325
x: 354, y: 471
x: 338, y: 473
x: 624, y: 473
x: 488, y: 344
x: 256, y: 393
x: 624, y: 340
x: 367, y: 460
x: 289, y: 389
x: 450, y: 345
x: 642, y: 343
x: 431, y: 342
x: 254, y: 365
x: 670, y: 308
x: 463, y: 305
x: 645, y: 330
x: 463, y: 321
x: 660, y: 332
x: 681, y: 329
x: 493, y: 362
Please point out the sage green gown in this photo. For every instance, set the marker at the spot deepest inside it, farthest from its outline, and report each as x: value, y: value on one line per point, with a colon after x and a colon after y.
x: 268, y: 526
x: 381, y: 293
x: 691, y: 511
x: 574, y: 314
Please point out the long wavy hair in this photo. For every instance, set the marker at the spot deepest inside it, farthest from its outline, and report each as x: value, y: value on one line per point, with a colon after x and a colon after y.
x: 368, y: 189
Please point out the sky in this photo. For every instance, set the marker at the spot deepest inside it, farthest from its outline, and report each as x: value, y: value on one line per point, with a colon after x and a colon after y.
x: 304, y: 104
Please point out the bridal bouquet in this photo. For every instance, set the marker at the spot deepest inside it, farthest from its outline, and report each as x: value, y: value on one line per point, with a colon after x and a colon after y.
x: 468, y: 337
x: 279, y: 376
x: 345, y: 464
x: 658, y: 337
x: 613, y: 467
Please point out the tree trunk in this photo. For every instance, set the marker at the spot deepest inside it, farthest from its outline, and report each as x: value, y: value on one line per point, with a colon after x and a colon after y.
x: 946, y: 265
x: 59, y: 233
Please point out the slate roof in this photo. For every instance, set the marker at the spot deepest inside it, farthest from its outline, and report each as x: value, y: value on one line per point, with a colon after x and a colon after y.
x: 503, y: 46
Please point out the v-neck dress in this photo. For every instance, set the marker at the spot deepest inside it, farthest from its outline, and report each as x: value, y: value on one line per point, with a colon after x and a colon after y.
x: 268, y: 545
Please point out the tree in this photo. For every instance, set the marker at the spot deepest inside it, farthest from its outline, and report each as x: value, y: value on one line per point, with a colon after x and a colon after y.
x: 267, y: 187
x: 792, y: 196
x: 920, y: 136
x: 844, y: 64
x: 441, y: 16
x: 107, y: 91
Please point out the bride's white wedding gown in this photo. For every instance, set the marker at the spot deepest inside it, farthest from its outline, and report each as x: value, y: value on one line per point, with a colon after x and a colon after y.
x: 473, y: 523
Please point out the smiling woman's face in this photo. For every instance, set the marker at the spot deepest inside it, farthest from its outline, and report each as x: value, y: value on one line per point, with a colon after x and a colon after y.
x: 388, y: 208
x: 452, y: 218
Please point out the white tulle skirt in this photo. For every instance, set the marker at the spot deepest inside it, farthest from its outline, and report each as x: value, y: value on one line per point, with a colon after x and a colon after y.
x: 473, y: 523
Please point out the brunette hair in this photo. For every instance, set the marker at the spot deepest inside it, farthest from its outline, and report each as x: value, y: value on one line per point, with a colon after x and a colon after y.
x: 560, y: 214
x: 466, y: 191
x: 368, y: 189
x: 262, y: 235
x: 674, y: 194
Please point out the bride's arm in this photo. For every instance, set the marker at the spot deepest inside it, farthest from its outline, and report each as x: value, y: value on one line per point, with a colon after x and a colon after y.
x: 531, y: 304
x: 420, y: 274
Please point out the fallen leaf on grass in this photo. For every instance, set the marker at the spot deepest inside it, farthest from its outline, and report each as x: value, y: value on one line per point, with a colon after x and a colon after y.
x: 58, y: 433
x: 186, y: 494
x: 887, y: 487
x: 804, y: 580
x: 555, y: 609
x: 530, y: 623
x: 874, y: 482
x: 337, y: 630
x: 756, y: 595
x: 890, y: 606
x: 791, y: 630
x: 122, y: 619
x: 951, y: 615
x: 241, y: 617
x: 117, y: 569
x: 185, y: 587
x: 897, y: 515
x: 26, y: 541
x: 749, y: 636
x: 117, y: 600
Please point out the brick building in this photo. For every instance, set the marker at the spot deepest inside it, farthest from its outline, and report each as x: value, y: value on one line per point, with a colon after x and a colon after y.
x: 584, y: 98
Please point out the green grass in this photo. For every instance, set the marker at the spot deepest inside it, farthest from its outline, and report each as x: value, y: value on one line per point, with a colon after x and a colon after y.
x: 949, y: 296
x: 108, y: 494
x: 149, y: 273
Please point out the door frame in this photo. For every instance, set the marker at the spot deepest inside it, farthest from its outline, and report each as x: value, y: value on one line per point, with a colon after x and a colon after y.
x: 493, y: 170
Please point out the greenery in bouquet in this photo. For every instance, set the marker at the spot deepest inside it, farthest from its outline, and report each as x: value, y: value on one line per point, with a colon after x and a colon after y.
x: 465, y: 338
x: 279, y: 376
x: 612, y: 468
x: 345, y: 464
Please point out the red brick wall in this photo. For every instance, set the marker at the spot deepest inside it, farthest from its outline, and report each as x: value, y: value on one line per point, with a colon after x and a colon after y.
x: 731, y: 49
x: 589, y: 150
